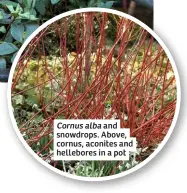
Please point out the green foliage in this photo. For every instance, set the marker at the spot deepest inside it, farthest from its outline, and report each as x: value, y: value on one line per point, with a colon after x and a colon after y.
x: 2, y: 63
x: 30, y: 28
x: 104, y: 168
x: 17, y: 31
x: 7, y: 48
x: 55, y: 1
x: 15, y: 17
x: 2, y: 29
x: 5, y: 3
x: 41, y: 6
x: 91, y: 3
x: 107, y: 4
x: 19, y: 18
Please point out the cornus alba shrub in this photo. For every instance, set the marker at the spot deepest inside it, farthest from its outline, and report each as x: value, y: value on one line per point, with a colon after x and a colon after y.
x: 93, y: 66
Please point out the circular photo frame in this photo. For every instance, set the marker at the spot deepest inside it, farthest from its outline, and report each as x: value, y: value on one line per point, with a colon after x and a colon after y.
x: 94, y: 64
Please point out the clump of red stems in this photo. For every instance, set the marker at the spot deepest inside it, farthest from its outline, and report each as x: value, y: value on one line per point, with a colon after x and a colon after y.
x: 127, y: 76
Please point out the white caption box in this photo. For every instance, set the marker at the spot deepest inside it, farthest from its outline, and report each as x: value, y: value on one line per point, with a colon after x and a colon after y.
x: 82, y: 140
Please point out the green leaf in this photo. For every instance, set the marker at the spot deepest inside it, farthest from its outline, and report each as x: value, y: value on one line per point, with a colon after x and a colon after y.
x: 7, y: 48
x: 5, y: 18
x: 21, y: 86
x: 101, y: 5
x: 17, y: 31
x: 40, y: 7
x: 2, y: 63
x: 18, y: 99
x: 5, y: 21
x: 31, y: 100
x: 27, y: 15
x: 109, y: 4
x: 28, y: 3
x: 54, y: 1
x: 30, y: 28
x: 11, y: 8
x: 20, y: 1
x: 9, y: 38
x: 4, y: 15
x: 13, y: 57
x: 39, y: 119
x: 8, y: 3
x: 1, y: 15
x: 44, y: 140
x: 92, y: 3
x: 18, y: 9
x: 2, y: 29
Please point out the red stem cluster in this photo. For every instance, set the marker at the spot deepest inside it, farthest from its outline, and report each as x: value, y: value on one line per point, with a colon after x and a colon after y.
x: 81, y: 89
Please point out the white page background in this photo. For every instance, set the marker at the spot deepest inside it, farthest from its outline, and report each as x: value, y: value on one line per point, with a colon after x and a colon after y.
x: 20, y: 172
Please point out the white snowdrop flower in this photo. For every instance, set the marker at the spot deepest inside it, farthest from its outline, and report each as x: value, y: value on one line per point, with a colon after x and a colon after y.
x: 125, y: 117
